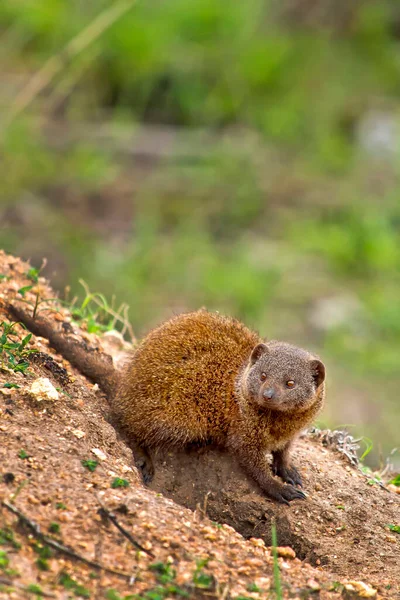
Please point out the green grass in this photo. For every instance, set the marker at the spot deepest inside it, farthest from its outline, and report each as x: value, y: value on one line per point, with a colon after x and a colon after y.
x: 7, y: 537
x: 262, y: 228
x: 276, y: 571
x: 54, y: 527
x: 118, y: 482
x: 14, y: 354
x: 4, y: 560
x: 203, y: 63
x: 90, y: 465
x: 69, y: 583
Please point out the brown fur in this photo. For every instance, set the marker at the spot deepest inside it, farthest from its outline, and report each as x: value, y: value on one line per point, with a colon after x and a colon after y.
x: 187, y: 383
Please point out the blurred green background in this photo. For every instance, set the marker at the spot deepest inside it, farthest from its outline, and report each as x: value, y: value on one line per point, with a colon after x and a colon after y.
x: 241, y: 156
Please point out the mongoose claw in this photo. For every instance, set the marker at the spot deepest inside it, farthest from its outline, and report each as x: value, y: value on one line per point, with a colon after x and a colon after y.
x: 147, y: 473
x: 144, y: 463
x: 288, y: 474
x: 285, y: 494
x: 300, y: 494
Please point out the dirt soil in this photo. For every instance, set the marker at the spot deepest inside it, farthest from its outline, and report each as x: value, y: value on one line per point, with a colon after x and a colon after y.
x: 206, y: 525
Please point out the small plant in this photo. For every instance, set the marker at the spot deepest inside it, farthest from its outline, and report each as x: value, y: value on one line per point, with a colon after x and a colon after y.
x: 59, y: 389
x: 365, y: 469
x: 395, y: 481
x: 24, y: 289
x: 277, y: 574
x: 99, y: 315
x: 44, y: 553
x: 119, y: 483
x: 54, y: 528
x: 164, y: 572
x: 114, y: 595
x: 70, y: 584
x: 4, y: 560
x: 33, y: 274
x: 395, y: 528
x: 11, y: 386
x: 252, y: 587
x: 35, y: 589
x: 60, y: 506
x: 90, y: 465
x: 14, y: 355
x: 7, y: 538
x: 23, y: 454
x: 200, y: 579
x: 42, y: 564
x: 337, y: 586
x: 165, y: 575
x: 368, y: 447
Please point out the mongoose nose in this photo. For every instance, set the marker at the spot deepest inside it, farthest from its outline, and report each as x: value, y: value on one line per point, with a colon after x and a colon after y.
x: 269, y: 393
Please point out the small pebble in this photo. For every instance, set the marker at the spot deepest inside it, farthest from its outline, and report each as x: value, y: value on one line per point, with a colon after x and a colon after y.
x: 286, y: 552
x: 78, y: 433
x: 99, y: 453
x: 359, y: 589
x: 43, y: 389
x: 313, y: 585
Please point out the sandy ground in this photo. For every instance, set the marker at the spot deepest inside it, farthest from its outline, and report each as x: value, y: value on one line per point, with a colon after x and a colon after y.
x: 206, y: 525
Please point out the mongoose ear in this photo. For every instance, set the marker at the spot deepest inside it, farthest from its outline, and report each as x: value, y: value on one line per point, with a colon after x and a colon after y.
x: 318, y: 371
x: 258, y: 351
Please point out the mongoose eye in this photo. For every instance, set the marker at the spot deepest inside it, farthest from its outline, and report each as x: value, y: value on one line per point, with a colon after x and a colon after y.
x: 263, y: 376
x: 290, y: 383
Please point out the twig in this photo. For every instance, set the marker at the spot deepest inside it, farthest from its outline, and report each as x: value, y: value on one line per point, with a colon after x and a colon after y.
x: 62, y: 89
x: 224, y: 594
x: 18, y: 490
x: 60, y: 547
x: 25, y: 588
x: 36, y: 306
x: 127, y: 325
x: 54, y: 64
x: 106, y: 513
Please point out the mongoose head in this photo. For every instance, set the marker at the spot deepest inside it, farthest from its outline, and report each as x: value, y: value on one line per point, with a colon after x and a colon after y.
x: 283, y: 377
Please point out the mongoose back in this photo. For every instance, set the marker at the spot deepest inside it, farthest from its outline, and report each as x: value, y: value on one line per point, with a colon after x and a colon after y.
x: 204, y: 378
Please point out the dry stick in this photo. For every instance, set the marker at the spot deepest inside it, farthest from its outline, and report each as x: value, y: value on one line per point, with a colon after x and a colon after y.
x: 54, y: 64
x: 61, y: 90
x: 104, y: 511
x: 60, y: 547
x: 18, y: 490
x: 25, y: 588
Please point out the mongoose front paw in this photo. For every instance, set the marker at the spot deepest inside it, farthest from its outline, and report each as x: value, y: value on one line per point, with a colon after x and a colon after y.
x: 287, y: 474
x: 286, y: 493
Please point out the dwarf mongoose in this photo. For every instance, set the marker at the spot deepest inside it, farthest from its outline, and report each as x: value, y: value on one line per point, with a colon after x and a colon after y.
x: 204, y: 378
x: 201, y: 377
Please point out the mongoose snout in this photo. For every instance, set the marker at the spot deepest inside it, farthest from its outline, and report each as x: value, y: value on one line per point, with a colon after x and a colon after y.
x: 269, y: 393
